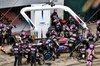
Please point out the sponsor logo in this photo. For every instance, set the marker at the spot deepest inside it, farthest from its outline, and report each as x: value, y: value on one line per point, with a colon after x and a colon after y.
x: 42, y: 23
x: 82, y: 23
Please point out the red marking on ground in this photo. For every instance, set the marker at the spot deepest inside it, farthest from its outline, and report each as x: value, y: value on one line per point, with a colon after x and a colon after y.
x: 20, y: 32
x: 91, y: 23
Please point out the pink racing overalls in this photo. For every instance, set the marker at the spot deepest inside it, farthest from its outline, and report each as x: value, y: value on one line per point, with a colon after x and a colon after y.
x: 90, y: 56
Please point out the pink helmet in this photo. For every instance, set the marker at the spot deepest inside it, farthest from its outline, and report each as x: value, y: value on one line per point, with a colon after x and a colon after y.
x: 23, y: 33
x: 25, y: 36
x: 55, y: 20
x: 67, y: 28
x: 55, y: 10
x: 55, y: 33
x: 43, y: 41
x: 29, y: 46
x: 72, y: 26
x: 91, y: 46
x: 22, y: 42
x: 0, y: 24
x: 81, y: 45
x: 74, y: 35
x: 58, y: 23
x: 98, y: 21
x: 88, y: 31
x: 16, y: 44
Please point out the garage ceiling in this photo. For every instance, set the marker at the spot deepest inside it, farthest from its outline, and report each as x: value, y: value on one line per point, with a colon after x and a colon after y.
x: 14, y: 3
